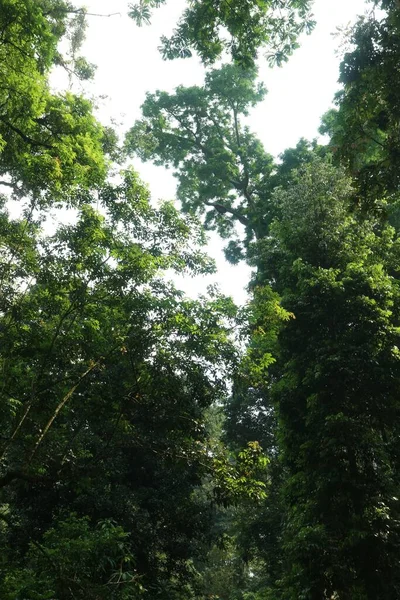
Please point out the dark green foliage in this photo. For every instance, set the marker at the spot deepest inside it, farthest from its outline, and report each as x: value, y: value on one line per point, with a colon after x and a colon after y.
x: 109, y: 476
x: 107, y: 372
x: 319, y: 385
x: 115, y: 477
x: 73, y: 560
x: 335, y: 387
x: 364, y: 128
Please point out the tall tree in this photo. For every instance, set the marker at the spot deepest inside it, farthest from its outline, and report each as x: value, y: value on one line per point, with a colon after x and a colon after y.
x: 336, y: 388
x: 107, y: 373
x: 223, y: 170
x: 323, y: 353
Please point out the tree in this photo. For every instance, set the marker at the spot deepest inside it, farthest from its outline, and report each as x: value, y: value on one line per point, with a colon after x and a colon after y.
x: 238, y: 27
x: 322, y: 360
x: 223, y: 171
x: 50, y: 144
x: 363, y: 128
x: 335, y: 387
x: 109, y: 474
x: 107, y: 373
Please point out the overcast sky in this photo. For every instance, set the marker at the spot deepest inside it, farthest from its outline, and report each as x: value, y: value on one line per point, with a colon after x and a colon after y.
x: 129, y: 64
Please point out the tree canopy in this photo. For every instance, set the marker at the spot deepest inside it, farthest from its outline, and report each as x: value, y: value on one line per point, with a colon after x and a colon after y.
x: 51, y: 144
x: 319, y: 382
x: 159, y: 446
x: 240, y: 28
x: 363, y: 127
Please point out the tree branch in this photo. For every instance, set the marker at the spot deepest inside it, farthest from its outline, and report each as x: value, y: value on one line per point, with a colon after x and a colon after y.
x: 25, y: 137
x: 82, y: 11
x: 58, y: 409
x: 13, y: 475
x: 232, y: 211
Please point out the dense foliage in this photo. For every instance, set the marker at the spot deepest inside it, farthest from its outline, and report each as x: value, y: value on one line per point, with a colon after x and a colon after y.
x: 335, y: 387
x: 50, y: 143
x: 157, y: 446
x: 107, y: 371
x: 319, y: 385
x: 106, y: 375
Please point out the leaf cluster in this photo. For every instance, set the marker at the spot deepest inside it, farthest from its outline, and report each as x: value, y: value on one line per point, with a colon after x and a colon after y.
x: 237, y: 27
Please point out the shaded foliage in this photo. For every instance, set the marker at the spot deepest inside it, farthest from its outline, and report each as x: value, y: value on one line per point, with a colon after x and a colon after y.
x: 107, y: 372
x: 337, y: 391
x: 364, y: 126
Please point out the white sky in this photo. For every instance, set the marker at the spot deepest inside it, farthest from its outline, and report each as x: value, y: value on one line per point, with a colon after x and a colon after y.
x: 129, y: 64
